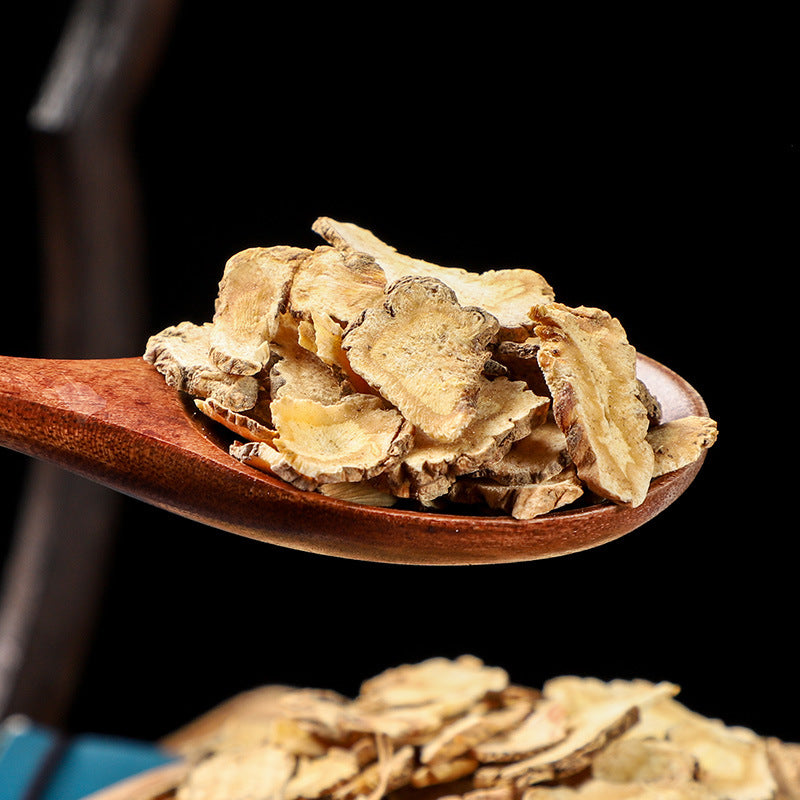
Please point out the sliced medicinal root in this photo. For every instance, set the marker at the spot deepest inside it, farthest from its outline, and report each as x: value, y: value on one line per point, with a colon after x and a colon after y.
x: 377, y: 378
x: 591, y: 371
x: 680, y: 442
x: 425, y: 353
x: 505, y: 411
x: 338, y: 285
x: 458, y: 729
x: 300, y: 373
x: 243, y: 425
x: 538, y: 456
x: 252, y: 294
x: 180, y: 354
x: 507, y: 294
x: 350, y: 440
x: 521, y: 501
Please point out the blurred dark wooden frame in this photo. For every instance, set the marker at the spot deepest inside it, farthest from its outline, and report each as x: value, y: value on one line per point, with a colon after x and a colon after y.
x: 93, y: 306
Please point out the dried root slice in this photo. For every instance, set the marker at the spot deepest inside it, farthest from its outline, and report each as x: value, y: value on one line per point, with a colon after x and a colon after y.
x: 732, y: 762
x: 361, y: 492
x: 265, y: 458
x: 596, y: 789
x: 180, y: 354
x: 534, y: 458
x: 576, y: 694
x: 400, y: 726
x: 244, y: 425
x: 254, y: 774
x: 521, y: 501
x: 425, y: 354
x: 634, y: 760
x: 443, y: 771
x: 300, y: 373
x: 573, y: 755
x: 520, y: 359
x: 351, y: 440
x: 592, y: 726
x: 507, y: 294
x: 453, y: 684
x: 239, y: 733
x: 252, y: 294
x: 784, y: 763
x: 680, y: 442
x: 408, y: 736
x: 651, y: 403
x: 379, y: 778
x: 591, y: 371
x: 464, y: 734
x: 335, y: 284
x: 544, y: 727
x: 319, y: 776
x: 505, y: 411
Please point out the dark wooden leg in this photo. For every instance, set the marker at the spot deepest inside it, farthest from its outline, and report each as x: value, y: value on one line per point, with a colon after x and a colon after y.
x: 94, y: 303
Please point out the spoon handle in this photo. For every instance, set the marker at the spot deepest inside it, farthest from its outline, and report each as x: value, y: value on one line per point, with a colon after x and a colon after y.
x: 117, y: 422
x: 46, y: 404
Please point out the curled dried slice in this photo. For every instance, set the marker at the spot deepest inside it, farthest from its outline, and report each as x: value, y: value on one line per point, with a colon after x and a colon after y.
x: 180, y: 354
x: 317, y: 710
x: 539, y: 456
x: 425, y: 354
x: 244, y: 425
x: 351, y: 440
x: 545, y: 726
x: 259, y: 773
x: 569, y: 757
x: 361, y: 492
x: 505, y: 411
x: 455, y: 684
x: 443, y: 771
x: 318, y: 776
x: 519, y: 358
x: 651, y: 403
x: 403, y: 725
x: 521, y: 501
x: 591, y: 371
x: 465, y: 733
x: 508, y: 294
x: 384, y: 775
x: 252, y: 294
x: 266, y: 458
x: 592, y: 726
x: 680, y: 442
x: 300, y: 373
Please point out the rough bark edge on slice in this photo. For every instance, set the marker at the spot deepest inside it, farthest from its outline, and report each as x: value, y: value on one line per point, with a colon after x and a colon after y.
x: 505, y: 412
x: 252, y: 295
x: 508, y: 294
x: 180, y: 354
x: 590, y: 369
x: 680, y: 442
x: 521, y: 501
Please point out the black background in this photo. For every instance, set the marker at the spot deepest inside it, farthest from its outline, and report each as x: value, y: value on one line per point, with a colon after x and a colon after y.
x: 639, y: 178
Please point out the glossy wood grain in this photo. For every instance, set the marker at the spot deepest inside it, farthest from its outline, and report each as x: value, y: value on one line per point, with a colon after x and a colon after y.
x: 117, y: 422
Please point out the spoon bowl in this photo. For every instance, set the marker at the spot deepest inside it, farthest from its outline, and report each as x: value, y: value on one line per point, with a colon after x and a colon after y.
x: 116, y: 422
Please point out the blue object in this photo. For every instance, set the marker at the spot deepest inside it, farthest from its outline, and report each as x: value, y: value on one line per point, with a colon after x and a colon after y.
x: 38, y: 762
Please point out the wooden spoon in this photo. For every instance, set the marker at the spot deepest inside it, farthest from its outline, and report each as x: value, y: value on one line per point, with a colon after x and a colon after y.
x: 116, y: 422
